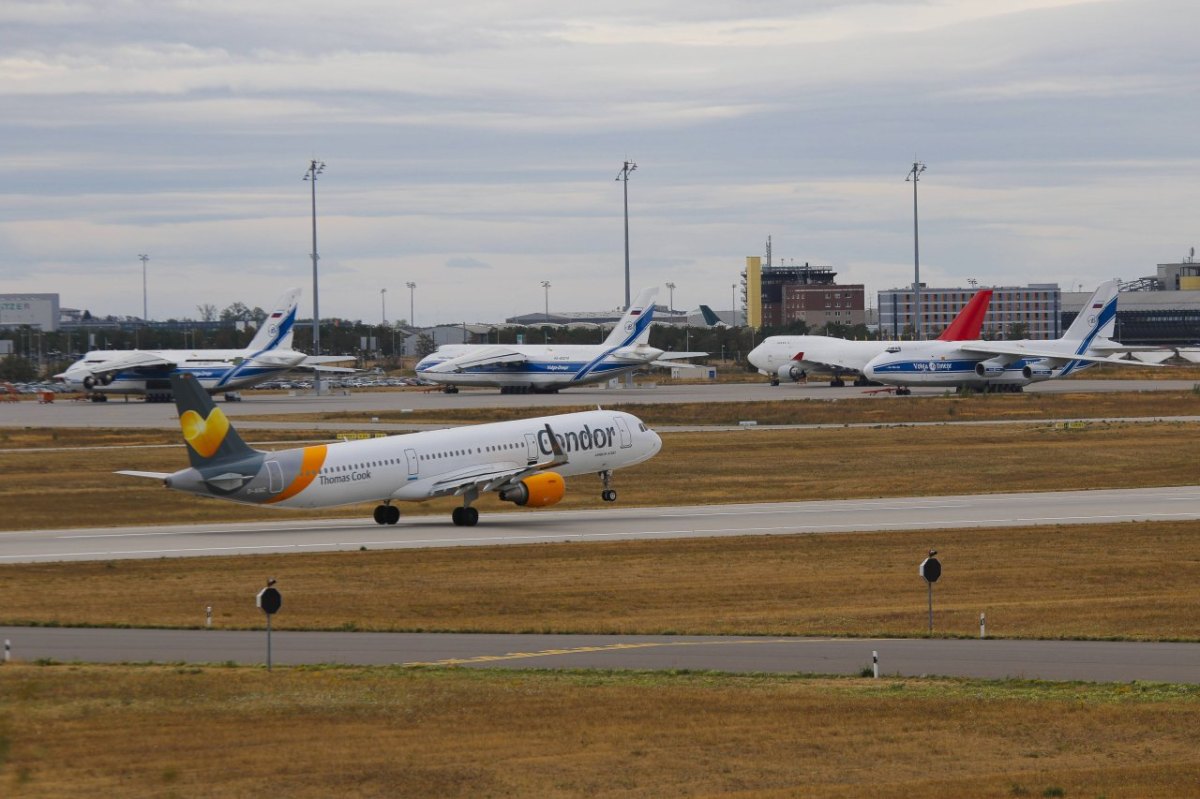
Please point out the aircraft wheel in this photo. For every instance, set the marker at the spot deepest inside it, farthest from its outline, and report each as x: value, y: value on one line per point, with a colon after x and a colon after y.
x: 774, y: 381
x: 609, y: 495
x: 393, y: 514
x: 451, y: 390
x: 464, y: 517
x: 381, y: 514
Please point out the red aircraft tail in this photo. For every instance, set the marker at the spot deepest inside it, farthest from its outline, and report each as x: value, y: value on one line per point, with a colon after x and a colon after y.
x: 969, y: 322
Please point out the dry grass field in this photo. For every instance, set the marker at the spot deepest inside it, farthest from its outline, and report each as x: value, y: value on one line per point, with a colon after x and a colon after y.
x: 1132, y: 580
x: 219, y: 732
x: 868, y: 410
x: 56, y: 486
x: 142, y: 731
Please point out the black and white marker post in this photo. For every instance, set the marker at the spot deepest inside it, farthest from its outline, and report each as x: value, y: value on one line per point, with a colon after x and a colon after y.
x: 269, y: 601
x: 931, y: 570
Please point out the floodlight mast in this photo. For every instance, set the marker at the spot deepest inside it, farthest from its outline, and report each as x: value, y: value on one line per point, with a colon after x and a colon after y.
x: 145, y: 313
x: 671, y: 301
x: 315, y: 168
x: 623, y: 176
x: 546, y: 286
x: 914, y: 175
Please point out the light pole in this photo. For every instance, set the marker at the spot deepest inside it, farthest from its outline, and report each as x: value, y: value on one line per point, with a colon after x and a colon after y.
x: 412, y: 317
x: 315, y: 168
x: 623, y: 176
x: 546, y: 312
x: 733, y: 302
x: 671, y: 301
x: 383, y: 306
x: 145, y: 313
x: 914, y: 175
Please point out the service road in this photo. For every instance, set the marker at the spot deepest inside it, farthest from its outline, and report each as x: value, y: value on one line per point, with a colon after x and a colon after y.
x: 1101, y: 661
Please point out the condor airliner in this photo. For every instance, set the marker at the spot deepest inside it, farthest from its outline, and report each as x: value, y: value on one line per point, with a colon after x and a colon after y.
x: 524, y: 462
x: 521, y: 368
x: 269, y: 354
x: 792, y: 357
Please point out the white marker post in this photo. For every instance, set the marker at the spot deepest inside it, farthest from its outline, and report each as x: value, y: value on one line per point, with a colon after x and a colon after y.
x: 875, y: 662
x: 208, y: 616
x: 982, y: 625
x: 7, y: 650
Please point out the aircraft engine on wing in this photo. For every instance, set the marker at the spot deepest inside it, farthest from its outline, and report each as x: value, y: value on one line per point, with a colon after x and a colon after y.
x: 993, y: 367
x: 1037, y: 371
x: 790, y: 371
x: 536, y: 491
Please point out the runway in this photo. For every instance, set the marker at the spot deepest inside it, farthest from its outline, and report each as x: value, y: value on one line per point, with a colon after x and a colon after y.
x: 293, y: 533
x: 135, y: 413
x: 1099, y: 661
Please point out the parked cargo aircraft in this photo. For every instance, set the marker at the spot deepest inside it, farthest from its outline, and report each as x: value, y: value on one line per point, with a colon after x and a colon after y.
x: 792, y: 357
x: 524, y: 462
x: 521, y: 368
x: 269, y: 354
x: 1007, y: 365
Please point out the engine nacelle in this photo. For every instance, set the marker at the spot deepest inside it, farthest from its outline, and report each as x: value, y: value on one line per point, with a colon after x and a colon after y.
x: 1037, y: 371
x: 536, y: 491
x: 790, y: 371
x: 990, y: 368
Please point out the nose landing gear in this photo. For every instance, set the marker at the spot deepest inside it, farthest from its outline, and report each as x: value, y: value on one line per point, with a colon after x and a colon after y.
x: 608, y: 494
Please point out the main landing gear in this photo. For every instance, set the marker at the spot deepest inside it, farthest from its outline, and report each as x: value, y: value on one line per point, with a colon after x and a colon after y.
x: 608, y: 494
x: 387, y: 514
x: 465, y: 516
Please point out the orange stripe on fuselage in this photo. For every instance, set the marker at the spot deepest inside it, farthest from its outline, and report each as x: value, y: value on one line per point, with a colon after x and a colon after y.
x: 310, y: 463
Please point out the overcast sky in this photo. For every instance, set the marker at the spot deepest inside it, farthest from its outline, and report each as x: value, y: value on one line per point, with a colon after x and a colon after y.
x: 471, y: 147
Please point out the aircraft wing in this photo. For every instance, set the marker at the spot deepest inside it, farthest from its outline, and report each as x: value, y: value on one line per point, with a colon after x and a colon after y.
x: 485, y: 356
x: 134, y: 360
x: 1000, y: 348
x: 490, y: 476
x: 678, y: 356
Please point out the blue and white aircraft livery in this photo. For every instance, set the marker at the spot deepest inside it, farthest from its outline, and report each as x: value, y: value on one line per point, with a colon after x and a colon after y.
x: 269, y: 354
x: 522, y: 368
x: 524, y: 462
x: 1007, y: 365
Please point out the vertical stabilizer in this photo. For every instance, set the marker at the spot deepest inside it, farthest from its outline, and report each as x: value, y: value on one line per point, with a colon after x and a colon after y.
x: 276, y: 330
x: 1097, y: 318
x: 710, y: 317
x: 968, y: 323
x: 211, y: 439
x: 634, y: 327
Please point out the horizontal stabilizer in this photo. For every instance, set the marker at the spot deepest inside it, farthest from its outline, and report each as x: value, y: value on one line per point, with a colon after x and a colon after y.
x: 151, y: 475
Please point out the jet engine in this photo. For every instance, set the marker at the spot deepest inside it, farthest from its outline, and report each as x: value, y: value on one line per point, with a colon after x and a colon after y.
x: 991, y: 368
x: 536, y: 491
x: 1037, y: 371
x: 790, y: 371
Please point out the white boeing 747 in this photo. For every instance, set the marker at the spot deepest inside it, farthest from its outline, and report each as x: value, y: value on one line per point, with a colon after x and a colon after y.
x: 269, y: 354
x: 792, y: 357
x: 1007, y: 365
x: 524, y: 462
x: 522, y: 368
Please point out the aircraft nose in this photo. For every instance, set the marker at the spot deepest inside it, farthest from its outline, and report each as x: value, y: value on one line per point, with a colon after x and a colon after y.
x: 758, y: 357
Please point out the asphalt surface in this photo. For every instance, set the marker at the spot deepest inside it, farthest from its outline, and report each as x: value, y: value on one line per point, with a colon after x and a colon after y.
x: 297, y: 534
x: 135, y: 413
x: 1099, y: 661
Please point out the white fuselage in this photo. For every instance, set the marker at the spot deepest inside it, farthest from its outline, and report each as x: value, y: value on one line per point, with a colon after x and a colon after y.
x: 545, y: 366
x: 217, y: 369
x: 944, y: 364
x: 821, y: 353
